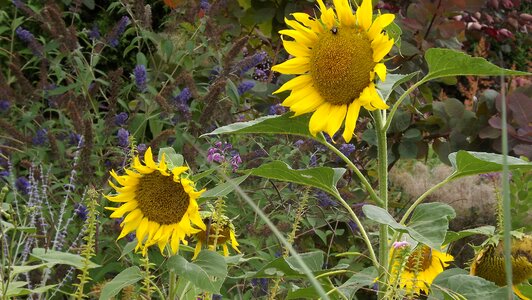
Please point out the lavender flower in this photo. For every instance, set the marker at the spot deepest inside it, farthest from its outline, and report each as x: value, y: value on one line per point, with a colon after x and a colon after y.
x: 236, y: 160
x: 17, y: 3
x: 40, y: 137
x: 121, y: 119
x: 277, y: 109
x: 353, y: 225
x: 94, y: 34
x: 123, y: 138
x: 299, y: 143
x: 254, y: 60
x: 81, y: 211
x: 141, y: 148
x: 28, y: 38
x: 4, y: 173
x: 23, y: 185
x: 184, y: 96
x: 216, y: 297
x: 205, y: 5
x: 74, y: 139
x: 245, y: 86
x: 4, y: 105
x: 347, y: 149
x: 324, y: 200
x: 140, y: 74
x: 262, y: 284
x: 118, y: 30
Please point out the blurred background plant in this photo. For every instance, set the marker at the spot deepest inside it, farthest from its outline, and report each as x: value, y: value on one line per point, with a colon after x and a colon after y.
x: 85, y: 84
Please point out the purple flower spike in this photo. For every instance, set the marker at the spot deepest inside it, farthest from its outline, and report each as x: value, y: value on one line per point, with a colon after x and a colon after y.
x: 141, y: 75
x: 123, y: 137
x: 245, y: 86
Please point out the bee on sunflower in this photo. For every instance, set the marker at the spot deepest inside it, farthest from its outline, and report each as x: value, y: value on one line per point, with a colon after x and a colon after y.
x: 156, y: 202
x: 337, y: 58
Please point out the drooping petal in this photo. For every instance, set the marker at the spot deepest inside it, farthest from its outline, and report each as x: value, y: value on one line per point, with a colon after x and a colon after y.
x: 351, y: 120
x: 307, y: 32
x: 335, y: 119
x: 124, y: 208
x: 140, y: 167
x: 381, y: 46
x: 297, y: 95
x: 344, y: 12
x: 295, y: 49
x: 379, y: 24
x: 317, y: 123
x: 380, y: 69
x: 142, y: 230
x: 307, y: 104
x: 298, y: 65
x: 298, y: 36
x: 308, y: 21
x: 148, y: 159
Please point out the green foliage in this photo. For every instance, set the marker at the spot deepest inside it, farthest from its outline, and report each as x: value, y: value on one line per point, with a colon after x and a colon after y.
x: 125, y: 278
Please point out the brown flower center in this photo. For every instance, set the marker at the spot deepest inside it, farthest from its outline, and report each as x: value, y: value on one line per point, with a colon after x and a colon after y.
x: 161, y: 199
x: 419, y: 260
x: 341, y: 63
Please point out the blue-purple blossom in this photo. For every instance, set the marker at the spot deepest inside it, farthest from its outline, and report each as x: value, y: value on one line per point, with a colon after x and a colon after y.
x: 23, y: 185
x: 245, y: 86
x: 141, y: 77
x: 262, y: 284
x: 184, y: 96
x: 222, y: 152
x: 117, y: 31
x: 256, y: 59
x: 4, y: 105
x: 94, y: 33
x: 216, y: 297
x: 17, y: 3
x: 81, y: 211
x: 28, y: 38
x: 40, y: 137
x: 121, y: 119
x: 324, y: 200
x: 236, y: 160
x: 123, y: 137
x: 141, y: 148
x: 277, y: 109
x: 352, y: 225
x: 4, y: 173
x: 347, y: 149
x: 74, y: 139
x: 205, y: 5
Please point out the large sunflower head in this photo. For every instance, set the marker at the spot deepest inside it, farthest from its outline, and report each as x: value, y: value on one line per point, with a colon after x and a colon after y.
x: 416, y: 270
x: 336, y: 57
x: 158, y: 203
x: 489, y: 261
x: 216, y: 234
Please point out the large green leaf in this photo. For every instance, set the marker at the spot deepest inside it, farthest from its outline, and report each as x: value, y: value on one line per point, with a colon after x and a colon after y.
x: 360, y: 279
x: 288, y: 267
x: 223, y: 189
x: 431, y: 222
x: 125, y: 278
x: 207, y: 272
x: 321, y: 177
x: 447, y: 62
x: 17, y: 289
x: 467, y: 163
x: 284, y: 124
x: 428, y: 225
x: 454, y: 282
x: 58, y: 257
x: 393, y: 81
x: 455, y: 236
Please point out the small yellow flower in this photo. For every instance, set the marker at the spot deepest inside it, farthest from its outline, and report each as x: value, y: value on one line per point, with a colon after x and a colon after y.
x: 219, y: 235
x: 336, y: 57
x: 417, y: 271
x: 158, y: 203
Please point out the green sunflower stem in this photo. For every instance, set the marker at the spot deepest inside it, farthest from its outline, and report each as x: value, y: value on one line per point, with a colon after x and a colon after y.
x: 353, y: 168
x: 398, y: 103
x: 380, y: 120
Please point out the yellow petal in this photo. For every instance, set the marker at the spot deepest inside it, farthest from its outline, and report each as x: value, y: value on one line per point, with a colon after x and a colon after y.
x: 142, y: 230
x: 295, y: 49
x: 317, y: 121
x: 122, y: 180
x: 336, y: 118
x: 308, y: 21
x: 380, y: 69
x: 123, y: 197
x: 365, y: 14
x: 226, y: 250
x: 376, y: 101
x: 174, y: 244
x: 140, y: 167
x: 133, y: 216
x: 297, y: 65
x: 307, y: 104
x: 197, y: 250
x: 129, y: 227
x: 298, y: 36
x: 351, y: 120
x: 126, y: 207
x: 328, y: 17
x: 309, y: 34
x: 381, y: 46
x: 148, y: 159
x: 295, y: 83
x: 195, y: 218
x: 298, y: 95
x: 379, y: 24
x: 344, y: 12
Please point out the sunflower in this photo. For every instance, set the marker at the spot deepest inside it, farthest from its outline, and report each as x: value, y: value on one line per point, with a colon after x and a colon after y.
x: 336, y: 57
x: 417, y: 270
x: 489, y: 263
x: 158, y: 203
x: 216, y: 234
